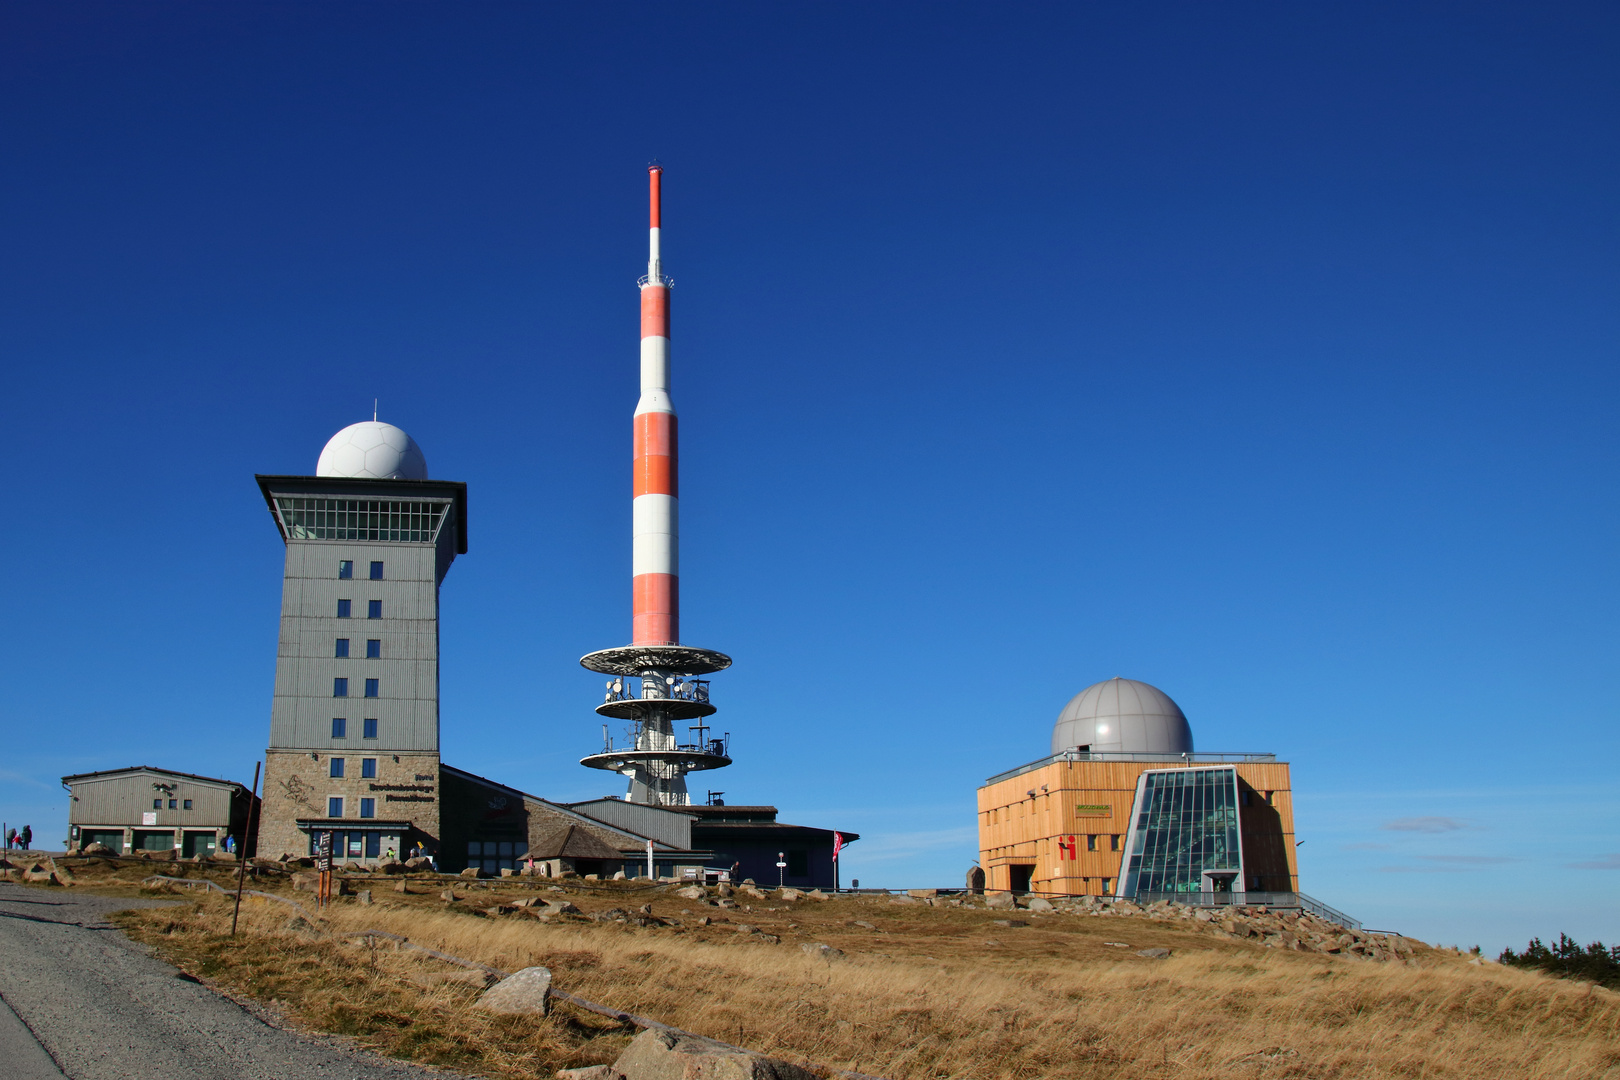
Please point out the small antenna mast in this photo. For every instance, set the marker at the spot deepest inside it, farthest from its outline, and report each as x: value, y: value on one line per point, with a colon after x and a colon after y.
x: 373, y: 410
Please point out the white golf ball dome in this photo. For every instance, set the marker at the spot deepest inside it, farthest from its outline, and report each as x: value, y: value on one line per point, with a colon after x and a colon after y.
x: 373, y: 450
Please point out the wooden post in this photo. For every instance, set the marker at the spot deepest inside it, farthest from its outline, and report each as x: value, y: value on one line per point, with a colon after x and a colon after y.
x: 241, y: 871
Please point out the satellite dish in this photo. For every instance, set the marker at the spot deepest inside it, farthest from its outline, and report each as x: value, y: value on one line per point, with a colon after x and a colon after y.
x: 610, y: 684
x: 669, y: 680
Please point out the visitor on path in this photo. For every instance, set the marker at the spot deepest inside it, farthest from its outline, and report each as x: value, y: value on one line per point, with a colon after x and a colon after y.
x: 26, y: 837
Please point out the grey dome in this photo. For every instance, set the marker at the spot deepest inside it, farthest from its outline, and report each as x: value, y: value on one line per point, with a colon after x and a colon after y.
x: 1122, y: 716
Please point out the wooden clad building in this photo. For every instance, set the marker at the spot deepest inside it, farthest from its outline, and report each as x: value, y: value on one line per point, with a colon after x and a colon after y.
x: 1062, y: 825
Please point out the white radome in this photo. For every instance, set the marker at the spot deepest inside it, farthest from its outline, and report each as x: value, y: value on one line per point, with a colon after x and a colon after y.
x: 373, y: 450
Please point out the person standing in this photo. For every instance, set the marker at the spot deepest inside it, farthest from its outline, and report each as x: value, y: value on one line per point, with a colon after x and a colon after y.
x: 26, y: 837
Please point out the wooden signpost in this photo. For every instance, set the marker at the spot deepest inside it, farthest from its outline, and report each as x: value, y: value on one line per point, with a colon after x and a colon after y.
x: 323, y: 867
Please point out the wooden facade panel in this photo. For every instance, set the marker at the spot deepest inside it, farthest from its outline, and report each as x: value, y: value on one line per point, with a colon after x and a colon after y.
x: 1081, y: 799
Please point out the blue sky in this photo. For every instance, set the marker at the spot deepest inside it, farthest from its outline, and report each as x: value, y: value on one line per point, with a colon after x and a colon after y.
x: 1262, y: 352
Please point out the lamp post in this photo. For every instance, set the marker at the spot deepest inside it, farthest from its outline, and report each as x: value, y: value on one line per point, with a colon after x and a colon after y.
x: 781, y: 869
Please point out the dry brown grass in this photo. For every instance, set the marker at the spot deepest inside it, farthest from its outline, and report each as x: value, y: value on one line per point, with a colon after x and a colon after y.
x: 928, y: 992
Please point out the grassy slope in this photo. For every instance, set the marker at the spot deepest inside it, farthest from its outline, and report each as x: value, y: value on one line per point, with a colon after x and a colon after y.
x: 930, y: 992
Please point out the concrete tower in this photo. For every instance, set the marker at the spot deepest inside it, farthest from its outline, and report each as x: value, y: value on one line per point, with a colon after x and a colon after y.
x: 666, y: 690
x: 354, y: 725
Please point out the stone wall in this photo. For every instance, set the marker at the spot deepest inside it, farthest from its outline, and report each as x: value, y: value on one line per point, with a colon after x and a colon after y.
x: 297, y: 785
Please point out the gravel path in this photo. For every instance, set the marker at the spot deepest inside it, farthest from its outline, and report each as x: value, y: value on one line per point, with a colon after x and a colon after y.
x: 78, y: 999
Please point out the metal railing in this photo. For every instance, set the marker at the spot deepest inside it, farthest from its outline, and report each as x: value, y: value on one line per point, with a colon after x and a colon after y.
x: 1270, y: 900
x: 1167, y: 760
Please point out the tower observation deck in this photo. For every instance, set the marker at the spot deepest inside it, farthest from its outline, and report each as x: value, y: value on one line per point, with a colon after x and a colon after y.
x: 656, y: 682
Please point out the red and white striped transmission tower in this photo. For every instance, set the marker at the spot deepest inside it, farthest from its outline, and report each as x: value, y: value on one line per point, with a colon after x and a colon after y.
x: 666, y: 689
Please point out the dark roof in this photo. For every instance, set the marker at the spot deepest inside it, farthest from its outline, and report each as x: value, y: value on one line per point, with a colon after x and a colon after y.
x: 570, y: 842
x: 712, y: 830
x: 108, y: 773
x: 563, y: 810
x: 363, y: 486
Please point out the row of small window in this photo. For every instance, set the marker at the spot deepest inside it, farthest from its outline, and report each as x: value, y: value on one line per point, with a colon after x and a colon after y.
x: 373, y: 609
x: 334, y: 807
x: 340, y: 727
x: 373, y: 648
x: 157, y: 804
x: 368, y: 769
x: 346, y: 570
x: 340, y: 687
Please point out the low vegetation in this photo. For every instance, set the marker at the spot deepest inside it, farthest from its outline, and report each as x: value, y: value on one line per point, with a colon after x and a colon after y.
x: 921, y: 991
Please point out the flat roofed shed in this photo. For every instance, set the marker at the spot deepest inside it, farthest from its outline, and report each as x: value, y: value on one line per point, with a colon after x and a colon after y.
x: 570, y: 842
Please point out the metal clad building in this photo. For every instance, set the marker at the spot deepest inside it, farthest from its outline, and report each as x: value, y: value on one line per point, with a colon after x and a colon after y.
x: 159, y: 811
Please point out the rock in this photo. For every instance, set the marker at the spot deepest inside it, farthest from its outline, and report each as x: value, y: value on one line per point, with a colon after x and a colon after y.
x: 420, y: 862
x: 1153, y: 954
x: 1010, y: 922
x: 97, y: 849
x: 664, y: 1055
x: 432, y: 979
x: 593, y: 877
x: 390, y: 866
x: 816, y: 894
x: 591, y: 1072
x: 692, y: 892
x: 822, y: 952
x: 724, y: 903
x: 1037, y: 903
x: 561, y: 907
x: 1000, y: 901
x: 507, y: 871
x: 353, y: 868
x: 722, y: 889
x: 403, y: 886
x: 363, y: 897
x: 303, y: 882
x: 922, y: 894
x: 790, y: 894
x: 863, y: 924
x: 751, y: 891
x: 975, y: 880
x: 447, y: 896
x: 522, y: 992
x: 744, y: 928
x: 907, y: 900
x: 618, y: 876
x: 473, y: 872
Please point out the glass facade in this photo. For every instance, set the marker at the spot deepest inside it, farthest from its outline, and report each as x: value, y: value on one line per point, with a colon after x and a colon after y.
x: 360, y: 519
x: 1185, y: 823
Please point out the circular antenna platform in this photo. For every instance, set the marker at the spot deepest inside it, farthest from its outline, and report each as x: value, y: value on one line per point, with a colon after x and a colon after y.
x: 690, y: 759
x: 640, y: 659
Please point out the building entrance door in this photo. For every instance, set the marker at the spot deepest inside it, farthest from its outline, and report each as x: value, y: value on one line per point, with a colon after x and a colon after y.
x: 197, y: 843
x: 1020, y: 875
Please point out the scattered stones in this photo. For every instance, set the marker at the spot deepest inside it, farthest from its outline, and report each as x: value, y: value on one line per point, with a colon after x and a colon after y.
x: 473, y: 872
x: 363, y: 897
x: 561, y: 907
x: 591, y: 1072
x: 1010, y: 922
x: 816, y: 894
x: 661, y: 1055
x: 862, y: 923
x: 1154, y: 953
x: 1040, y: 904
x: 448, y: 897
x: 790, y: 894
x: 302, y: 882
x: 692, y: 892
x: 822, y: 952
x: 922, y: 894
x: 402, y: 886
x: 522, y: 992
x: 1000, y: 901
x: 96, y: 849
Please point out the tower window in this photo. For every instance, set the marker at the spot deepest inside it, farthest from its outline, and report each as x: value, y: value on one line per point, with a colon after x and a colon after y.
x: 368, y: 807
x: 345, y: 568
x: 368, y: 768
x: 340, y: 727
x: 371, y: 687
x: 186, y: 804
x: 1113, y: 842
x: 369, y: 727
x: 373, y: 648
x: 342, y: 649
x: 334, y: 807
x: 172, y: 805
x: 376, y: 571
x: 337, y: 768
x: 343, y: 609
x: 1270, y: 800
x: 340, y: 687
x: 374, y: 609
x: 157, y: 804
x: 1091, y: 843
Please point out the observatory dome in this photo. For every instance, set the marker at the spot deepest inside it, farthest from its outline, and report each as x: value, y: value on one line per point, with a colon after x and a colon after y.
x: 372, y: 450
x: 1122, y: 716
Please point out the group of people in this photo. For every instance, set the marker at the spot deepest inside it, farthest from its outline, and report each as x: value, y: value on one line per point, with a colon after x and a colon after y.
x: 20, y: 839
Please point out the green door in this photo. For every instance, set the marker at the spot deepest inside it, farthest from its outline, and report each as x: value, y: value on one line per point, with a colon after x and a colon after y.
x: 197, y: 843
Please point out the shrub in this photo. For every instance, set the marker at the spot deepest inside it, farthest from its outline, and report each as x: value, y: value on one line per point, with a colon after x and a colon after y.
x: 1568, y: 960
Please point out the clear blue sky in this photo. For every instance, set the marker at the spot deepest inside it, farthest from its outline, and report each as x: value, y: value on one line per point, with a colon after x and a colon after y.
x: 1262, y: 352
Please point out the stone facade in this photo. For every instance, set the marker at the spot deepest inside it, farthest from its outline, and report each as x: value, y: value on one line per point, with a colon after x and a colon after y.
x: 298, y: 785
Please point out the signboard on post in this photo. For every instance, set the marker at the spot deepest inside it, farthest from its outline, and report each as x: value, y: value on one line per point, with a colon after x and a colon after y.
x: 323, y: 864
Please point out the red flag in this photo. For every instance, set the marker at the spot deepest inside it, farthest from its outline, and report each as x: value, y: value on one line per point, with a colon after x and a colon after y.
x: 838, y: 843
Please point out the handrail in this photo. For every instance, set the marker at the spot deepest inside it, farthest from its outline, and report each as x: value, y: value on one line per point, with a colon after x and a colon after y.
x: 1169, y: 760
